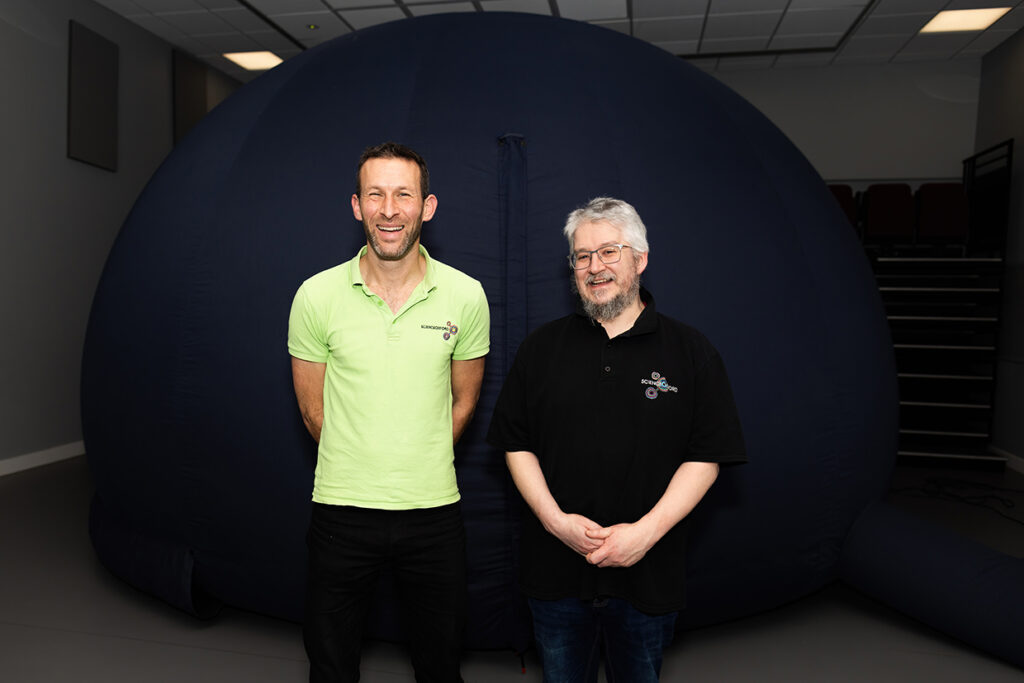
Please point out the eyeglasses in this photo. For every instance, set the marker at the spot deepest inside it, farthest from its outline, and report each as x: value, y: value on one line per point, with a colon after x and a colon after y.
x: 609, y: 253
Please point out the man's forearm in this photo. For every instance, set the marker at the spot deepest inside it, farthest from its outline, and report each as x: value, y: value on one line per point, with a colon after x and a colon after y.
x: 314, y: 422
x: 462, y: 413
x: 529, y: 480
x: 625, y: 544
x: 571, y: 529
x: 687, y: 487
x: 308, y: 379
x: 467, y: 376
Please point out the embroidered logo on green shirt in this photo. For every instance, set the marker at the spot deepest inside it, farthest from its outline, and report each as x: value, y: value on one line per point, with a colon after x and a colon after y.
x: 447, y: 329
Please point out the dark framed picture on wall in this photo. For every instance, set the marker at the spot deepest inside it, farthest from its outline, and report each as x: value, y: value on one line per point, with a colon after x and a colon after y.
x: 92, y: 97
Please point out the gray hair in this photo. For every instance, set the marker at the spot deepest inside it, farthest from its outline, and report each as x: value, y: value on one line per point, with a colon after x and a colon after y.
x: 614, y: 211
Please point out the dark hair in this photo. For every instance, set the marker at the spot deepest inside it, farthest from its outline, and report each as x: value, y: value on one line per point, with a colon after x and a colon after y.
x: 393, y: 150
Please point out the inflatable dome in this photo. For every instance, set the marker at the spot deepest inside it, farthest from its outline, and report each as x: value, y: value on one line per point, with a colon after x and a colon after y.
x: 202, y: 467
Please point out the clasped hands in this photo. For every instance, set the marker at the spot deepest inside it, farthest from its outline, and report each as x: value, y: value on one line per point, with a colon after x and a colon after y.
x: 619, y: 545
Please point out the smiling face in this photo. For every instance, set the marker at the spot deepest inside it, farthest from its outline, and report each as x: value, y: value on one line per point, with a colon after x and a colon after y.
x: 391, y: 206
x: 607, y: 289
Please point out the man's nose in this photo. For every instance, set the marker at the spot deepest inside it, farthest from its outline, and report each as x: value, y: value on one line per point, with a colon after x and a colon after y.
x: 389, y: 207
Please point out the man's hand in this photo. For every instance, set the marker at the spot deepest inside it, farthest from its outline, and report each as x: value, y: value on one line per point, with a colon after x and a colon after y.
x: 621, y: 545
x: 575, y: 531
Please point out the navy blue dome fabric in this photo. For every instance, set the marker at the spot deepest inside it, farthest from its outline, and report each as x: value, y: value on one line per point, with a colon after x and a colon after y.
x: 203, y: 469
x: 949, y: 582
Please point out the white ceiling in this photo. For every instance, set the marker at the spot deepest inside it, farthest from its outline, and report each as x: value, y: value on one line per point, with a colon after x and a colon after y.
x: 714, y: 34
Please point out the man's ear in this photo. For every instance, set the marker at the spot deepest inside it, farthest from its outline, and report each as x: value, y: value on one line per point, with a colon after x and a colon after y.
x: 429, y: 207
x: 641, y: 262
x: 356, y: 211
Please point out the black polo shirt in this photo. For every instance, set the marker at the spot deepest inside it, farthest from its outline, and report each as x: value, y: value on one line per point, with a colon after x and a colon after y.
x: 610, y: 421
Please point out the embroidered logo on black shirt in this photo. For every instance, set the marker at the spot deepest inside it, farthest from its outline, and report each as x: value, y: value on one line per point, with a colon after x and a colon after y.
x: 657, y: 385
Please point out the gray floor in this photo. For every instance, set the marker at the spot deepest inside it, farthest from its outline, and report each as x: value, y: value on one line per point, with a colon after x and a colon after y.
x: 63, y: 617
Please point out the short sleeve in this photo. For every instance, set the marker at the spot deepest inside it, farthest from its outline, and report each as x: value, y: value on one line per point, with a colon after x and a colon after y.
x: 306, y: 338
x: 474, y: 337
x: 715, y: 435
x: 509, y: 429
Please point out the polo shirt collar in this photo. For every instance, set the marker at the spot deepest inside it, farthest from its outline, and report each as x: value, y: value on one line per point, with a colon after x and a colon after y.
x: 429, y: 278
x: 646, y: 323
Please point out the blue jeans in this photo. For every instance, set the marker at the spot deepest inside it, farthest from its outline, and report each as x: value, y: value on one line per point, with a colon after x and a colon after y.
x: 572, y: 636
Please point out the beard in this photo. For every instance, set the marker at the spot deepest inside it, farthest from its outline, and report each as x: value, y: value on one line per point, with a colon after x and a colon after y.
x: 395, y: 252
x: 611, y: 309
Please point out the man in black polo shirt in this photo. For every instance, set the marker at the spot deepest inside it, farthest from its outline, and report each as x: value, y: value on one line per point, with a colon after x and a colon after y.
x: 614, y: 421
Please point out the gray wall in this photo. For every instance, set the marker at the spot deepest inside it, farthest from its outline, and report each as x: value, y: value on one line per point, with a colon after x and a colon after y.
x: 879, y: 122
x: 1001, y: 116
x: 59, y: 216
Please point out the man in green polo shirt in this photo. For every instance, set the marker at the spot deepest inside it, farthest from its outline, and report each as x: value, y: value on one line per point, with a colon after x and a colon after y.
x: 387, y: 360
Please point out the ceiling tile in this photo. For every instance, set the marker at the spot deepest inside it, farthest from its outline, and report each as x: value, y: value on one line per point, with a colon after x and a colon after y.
x: 798, y: 22
x: 221, y: 4
x: 679, y: 47
x: 907, y: 6
x: 738, y: 6
x: 805, y: 42
x: 978, y: 4
x: 235, y: 42
x: 125, y: 8
x: 729, y: 45
x: 270, y: 7
x: 360, y: 4
x: 196, y: 23
x: 1014, y: 19
x: 654, y: 9
x: 311, y: 41
x: 939, y: 43
x: 227, y: 66
x: 888, y: 33
x: 920, y: 57
x: 749, y: 25
x: 328, y: 26
x: 859, y: 61
x: 662, y: 30
x: 986, y: 41
x: 529, y: 6
x: 704, y: 63
x: 242, y: 19
x: 893, y: 24
x: 829, y: 4
x: 364, y: 18
x: 875, y: 47
x: 157, y: 6
x: 422, y: 10
x: 271, y: 40
x: 804, y: 59
x: 620, y: 26
x: 592, y: 10
x: 746, y: 63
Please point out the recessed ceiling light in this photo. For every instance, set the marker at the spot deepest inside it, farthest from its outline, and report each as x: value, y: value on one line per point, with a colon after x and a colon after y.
x: 964, y: 20
x: 254, y: 61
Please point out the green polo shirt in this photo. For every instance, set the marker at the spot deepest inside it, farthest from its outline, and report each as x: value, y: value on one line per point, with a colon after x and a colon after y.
x: 386, y: 441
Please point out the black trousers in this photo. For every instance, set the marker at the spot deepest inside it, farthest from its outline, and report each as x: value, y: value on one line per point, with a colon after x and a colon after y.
x: 426, y: 551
